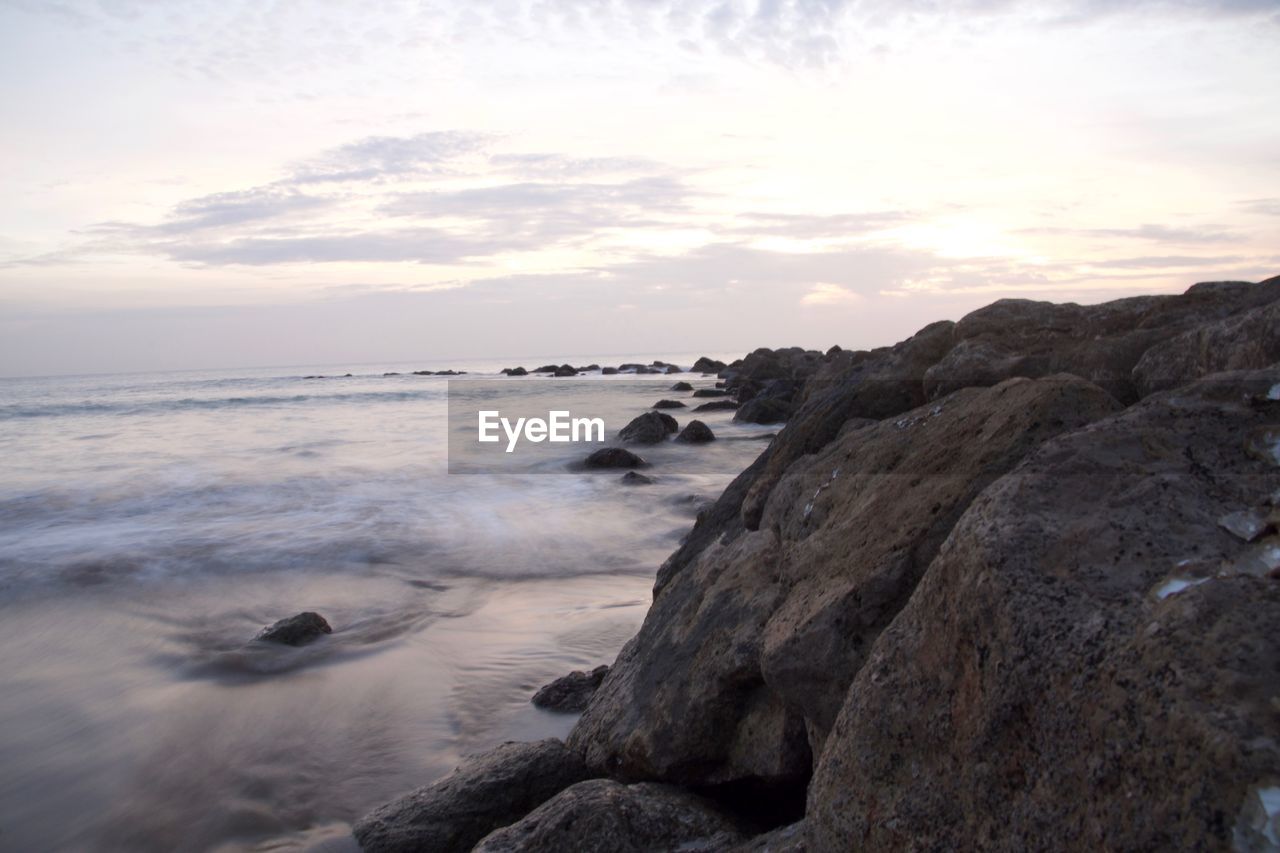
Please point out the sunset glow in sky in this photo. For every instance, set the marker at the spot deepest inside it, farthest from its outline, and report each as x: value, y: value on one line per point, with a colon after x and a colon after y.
x: 205, y: 184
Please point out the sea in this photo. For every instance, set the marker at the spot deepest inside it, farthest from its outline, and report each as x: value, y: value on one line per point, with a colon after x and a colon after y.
x: 152, y: 524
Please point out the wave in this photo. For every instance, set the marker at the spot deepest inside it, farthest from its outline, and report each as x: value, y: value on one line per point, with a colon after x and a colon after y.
x: 53, y: 410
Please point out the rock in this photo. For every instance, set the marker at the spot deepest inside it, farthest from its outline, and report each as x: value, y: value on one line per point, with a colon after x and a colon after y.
x: 614, y: 457
x: 296, y: 630
x: 515, y: 371
x: 450, y: 373
x: 707, y: 365
x: 784, y: 839
x: 710, y: 392
x: 608, y: 371
x: 565, y: 370
x: 572, y: 692
x: 391, y: 373
x: 485, y: 792
x: 634, y: 478
x: 588, y: 367
x: 717, y: 406
x: 682, y: 386
x: 668, y: 404
x: 671, y: 368
x: 546, y: 368
x: 649, y: 428
x: 1031, y: 688
x: 603, y: 816
x: 742, y: 662
x: 772, y: 404
x: 1245, y: 341
x: 696, y: 432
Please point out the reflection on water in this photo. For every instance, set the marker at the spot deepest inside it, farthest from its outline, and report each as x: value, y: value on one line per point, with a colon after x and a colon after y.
x: 148, y: 531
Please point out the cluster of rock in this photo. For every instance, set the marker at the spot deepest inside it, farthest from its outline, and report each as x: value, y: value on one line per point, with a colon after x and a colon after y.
x: 565, y: 370
x: 1009, y: 584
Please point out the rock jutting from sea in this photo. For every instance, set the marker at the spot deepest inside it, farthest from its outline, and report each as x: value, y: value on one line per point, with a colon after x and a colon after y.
x: 1012, y: 583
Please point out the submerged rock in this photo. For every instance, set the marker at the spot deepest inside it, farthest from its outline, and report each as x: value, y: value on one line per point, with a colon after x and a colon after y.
x: 296, y: 630
x: 515, y: 371
x: 668, y: 404
x: 572, y: 692
x: 608, y: 371
x: 614, y: 457
x: 682, y: 386
x: 486, y: 791
x: 696, y: 432
x: 603, y: 816
x: 717, y: 406
x: 635, y: 478
x: 565, y: 370
x: 649, y: 428
x: 710, y: 392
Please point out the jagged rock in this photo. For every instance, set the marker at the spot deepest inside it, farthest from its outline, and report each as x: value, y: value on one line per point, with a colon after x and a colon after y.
x: 487, y: 791
x: 1032, y: 689
x: 741, y: 664
x: 635, y: 478
x: 717, y: 406
x: 682, y: 386
x: 614, y: 457
x: 707, y: 365
x: 710, y: 392
x: 668, y: 404
x: 603, y: 816
x: 696, y: 432
x: 296, y: 630
x: 1245, y: 341
x: 572, y: 692
x: 649, y: 428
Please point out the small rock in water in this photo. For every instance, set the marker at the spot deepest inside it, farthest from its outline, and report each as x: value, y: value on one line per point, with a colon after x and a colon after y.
x: 565, y: 370
x: 296, y: 630
x: 710, y: 392
x: 614, y: 457
x: 1247, y: 524
x: 649, y: 428
x: 717, y: 406
x: 682, y: 386
x: 668, y: 404
x: 572, y: 692
x: 696, y: 432
x: 635, y: 478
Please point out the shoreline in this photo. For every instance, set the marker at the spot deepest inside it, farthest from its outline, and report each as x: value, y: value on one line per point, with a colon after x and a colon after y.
x: 820, y: 614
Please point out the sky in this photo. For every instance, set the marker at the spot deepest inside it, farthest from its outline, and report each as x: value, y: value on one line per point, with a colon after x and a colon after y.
x: 282, y: 182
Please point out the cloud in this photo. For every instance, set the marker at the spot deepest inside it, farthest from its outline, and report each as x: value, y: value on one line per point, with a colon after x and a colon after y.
x: 829, y: 294
x: 1152, y: 232
x: 806, y: 226
x: 386, y: 157
x: 1262, y: 206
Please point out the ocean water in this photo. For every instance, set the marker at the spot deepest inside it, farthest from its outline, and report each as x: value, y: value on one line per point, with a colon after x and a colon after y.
x: 151, y: 525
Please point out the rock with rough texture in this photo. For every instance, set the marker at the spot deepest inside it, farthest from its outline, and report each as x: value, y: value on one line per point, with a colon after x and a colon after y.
x: 603, y: 816
x: 635, y: 478
x: 740, y: 667
x: 682, y: 386
x: 668, y: 404
x: 649, y: 428
x: 487, y: 791
x: 1241, y: 342
x: 707, y: 365
x: 784, y: 839
x: 696, y: 432
x: 710, y: 392
x: 296, y: 630
x: 571, y: 693
x: 614, y: 457
x: 608, y: 371
x: 1051, y: 679
x: 515, y: 371
x: 565, y: 370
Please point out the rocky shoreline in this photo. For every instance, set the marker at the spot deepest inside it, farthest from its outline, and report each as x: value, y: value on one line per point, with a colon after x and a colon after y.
x: 1009, y: 584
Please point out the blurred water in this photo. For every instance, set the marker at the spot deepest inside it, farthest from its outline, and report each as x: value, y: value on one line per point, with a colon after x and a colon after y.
x: 150, y: 525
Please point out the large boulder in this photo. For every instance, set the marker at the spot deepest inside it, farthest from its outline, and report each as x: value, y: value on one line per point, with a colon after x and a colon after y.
x: 1090, y: 661
x: 1242, y: 342
x: 649, y: 428
x: 603, y: 816
x: 707, y: 365
x: 740, y: 666
x: 485, y: 792
x: 296, y: 630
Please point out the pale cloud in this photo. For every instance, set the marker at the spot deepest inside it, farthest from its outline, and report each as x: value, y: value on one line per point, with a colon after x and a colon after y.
x: 823, y: 293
